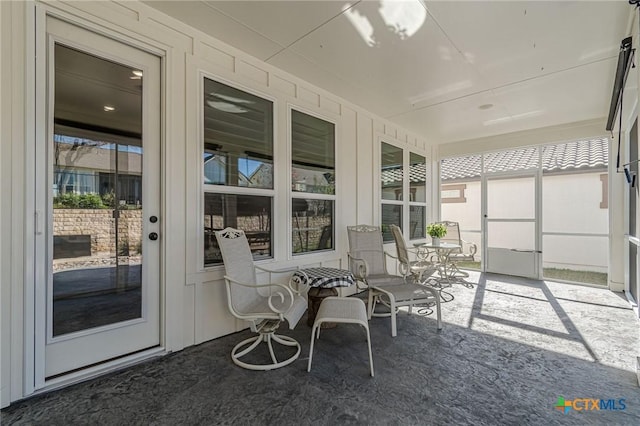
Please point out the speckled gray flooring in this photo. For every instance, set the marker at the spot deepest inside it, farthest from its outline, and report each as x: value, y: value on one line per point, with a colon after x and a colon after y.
x: 508, y: 350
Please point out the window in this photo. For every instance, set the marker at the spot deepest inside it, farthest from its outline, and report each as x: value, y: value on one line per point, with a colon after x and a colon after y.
x: 392, y: 184
x: 238, y: 168
x: 312, y: 183
x: 453, y: 193
x: 417, y: 196
x: 392, y: 172
x: 396, y: 200
x: 250, y: 213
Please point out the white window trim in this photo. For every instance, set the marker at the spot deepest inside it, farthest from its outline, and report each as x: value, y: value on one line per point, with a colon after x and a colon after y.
x: 226, y: 189
x: 406, y: 184
x: 291, y: 194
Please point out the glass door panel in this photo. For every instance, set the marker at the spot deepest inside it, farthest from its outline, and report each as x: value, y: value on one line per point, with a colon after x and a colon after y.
x: 97, y: 201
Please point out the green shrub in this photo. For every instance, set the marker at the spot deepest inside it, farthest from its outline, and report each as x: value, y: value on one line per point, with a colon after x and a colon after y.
x: 71, y: 200
x: 68, y: 200
x: 109, y: 199
x: 90, y: 201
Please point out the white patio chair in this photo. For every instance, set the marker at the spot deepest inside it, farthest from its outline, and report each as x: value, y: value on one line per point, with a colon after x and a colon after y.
x: 264, y: 306
x: 420, y: 269
x: 466, y: 252
x: 367, y: 262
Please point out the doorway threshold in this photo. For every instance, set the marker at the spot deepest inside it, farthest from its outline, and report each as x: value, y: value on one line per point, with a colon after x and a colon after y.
x: 96, y: 370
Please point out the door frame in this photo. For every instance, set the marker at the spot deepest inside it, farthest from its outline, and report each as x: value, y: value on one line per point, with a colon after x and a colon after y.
x: 35, y: 235
x: 537, y: 175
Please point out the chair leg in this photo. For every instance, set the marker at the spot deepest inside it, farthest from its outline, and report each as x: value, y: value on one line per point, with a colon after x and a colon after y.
x: 370, y: 304
x: 253, y: 342
x: 313, y: 337
x: 370, y: 353
x: 256, y: 341
x: 439, y: 313
x: 273, y: 355
x: 392, y: 301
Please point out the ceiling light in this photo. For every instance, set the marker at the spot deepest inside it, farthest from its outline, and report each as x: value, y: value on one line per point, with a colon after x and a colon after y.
x: 137, y: 75
x: 485, y: 106
x: 512, y: 117
x: 109, y: 108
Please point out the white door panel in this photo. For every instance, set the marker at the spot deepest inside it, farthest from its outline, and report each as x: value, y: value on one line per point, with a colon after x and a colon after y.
x: 98, y: 180
x: 512, y: 262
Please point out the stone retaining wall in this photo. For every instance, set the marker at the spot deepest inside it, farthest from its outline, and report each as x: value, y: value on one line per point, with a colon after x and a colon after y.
x: 99, y: 224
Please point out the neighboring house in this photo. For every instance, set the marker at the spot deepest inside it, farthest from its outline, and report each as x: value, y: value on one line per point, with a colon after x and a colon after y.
x: 84, y: 166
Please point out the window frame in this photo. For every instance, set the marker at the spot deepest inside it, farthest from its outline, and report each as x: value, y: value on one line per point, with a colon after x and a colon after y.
x: 424, y: 204
x: 291, y: 194
x: 406, y: 201
x: 205, y: 188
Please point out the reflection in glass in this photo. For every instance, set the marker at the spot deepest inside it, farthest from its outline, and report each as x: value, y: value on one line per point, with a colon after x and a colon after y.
x: 312, y: 154
x: 391, y: 215
x: 96, y: 194
x: 417, y: 178
x: 391, y: 174
x: 250, y: 213
x: 417, y: 225
x: 312, y: 225
x: 238, y: 137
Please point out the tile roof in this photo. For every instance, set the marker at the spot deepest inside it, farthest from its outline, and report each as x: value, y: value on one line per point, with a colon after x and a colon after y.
x: 584, y: 155
x: 591, y: 154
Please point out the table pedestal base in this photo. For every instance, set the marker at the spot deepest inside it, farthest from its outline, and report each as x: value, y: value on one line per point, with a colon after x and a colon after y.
x: 315, y: 297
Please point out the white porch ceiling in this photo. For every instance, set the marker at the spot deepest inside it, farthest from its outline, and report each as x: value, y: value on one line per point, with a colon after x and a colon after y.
x: 429, y: 66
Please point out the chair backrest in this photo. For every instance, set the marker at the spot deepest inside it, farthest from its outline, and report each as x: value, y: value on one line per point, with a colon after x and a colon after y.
x: 365, y: 242
x: 238, y: 264
x: 453, y: 234
x: 401, y: 247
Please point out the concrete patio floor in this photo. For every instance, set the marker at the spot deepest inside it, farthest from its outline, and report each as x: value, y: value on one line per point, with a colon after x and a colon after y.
x: 509, y: 349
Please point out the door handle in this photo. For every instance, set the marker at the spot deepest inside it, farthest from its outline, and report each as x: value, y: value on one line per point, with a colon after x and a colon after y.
x: 153, y: 236
x: 526, y: 251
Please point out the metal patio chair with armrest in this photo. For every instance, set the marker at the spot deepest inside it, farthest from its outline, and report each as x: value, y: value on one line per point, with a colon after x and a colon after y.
x: 367, y: 262
x: 421, y: 268
x: 264, y: 306
x: 466, y: 252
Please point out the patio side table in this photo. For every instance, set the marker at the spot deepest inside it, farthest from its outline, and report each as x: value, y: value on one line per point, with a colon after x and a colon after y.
x: 323, y: 282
